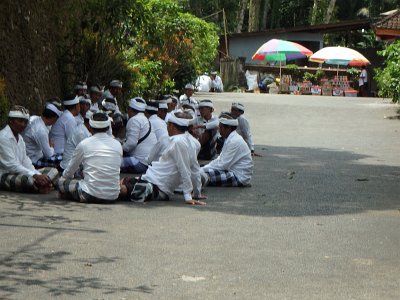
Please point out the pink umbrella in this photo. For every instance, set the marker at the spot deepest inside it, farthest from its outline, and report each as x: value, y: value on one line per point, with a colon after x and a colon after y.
x: 281, y: 50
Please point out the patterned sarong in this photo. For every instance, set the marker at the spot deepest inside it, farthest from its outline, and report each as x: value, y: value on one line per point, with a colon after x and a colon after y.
x: 53, y: 162
x: 26, y: 184
x: 222, y: 178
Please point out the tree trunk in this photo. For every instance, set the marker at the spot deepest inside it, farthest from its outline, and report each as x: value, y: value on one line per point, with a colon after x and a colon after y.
x: 254, y: 13
x: 242, y: 10
x: 314, y: 12
x: 329, y: 11
x: 265, y: 10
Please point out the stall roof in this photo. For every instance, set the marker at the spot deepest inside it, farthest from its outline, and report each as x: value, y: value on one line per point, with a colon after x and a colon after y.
x: 321, y: 28
x: 389, y: 27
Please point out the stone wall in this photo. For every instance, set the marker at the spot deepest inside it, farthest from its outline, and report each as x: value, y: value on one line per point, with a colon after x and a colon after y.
x: 28, y: 51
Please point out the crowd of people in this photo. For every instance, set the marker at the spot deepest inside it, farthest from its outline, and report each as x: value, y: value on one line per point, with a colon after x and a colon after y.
x: 80, y: 147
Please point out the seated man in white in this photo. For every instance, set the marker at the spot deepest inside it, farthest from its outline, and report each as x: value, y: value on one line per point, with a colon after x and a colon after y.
x: 81, y: 132
x: 139, y: 138
x: 100, y: 156
x: 65, y: 125
x: 85, y: 103
x: 234, y: 166
x: 16, y: 170
x: 205, y: 129
x: 178, y: 165
x: 216, y: 83
x: 36, y: 138
x: 237, y: 111
x: 159, y: 127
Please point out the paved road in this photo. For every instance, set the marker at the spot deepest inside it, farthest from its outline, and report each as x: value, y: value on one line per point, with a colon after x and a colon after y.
x: 321, y: 220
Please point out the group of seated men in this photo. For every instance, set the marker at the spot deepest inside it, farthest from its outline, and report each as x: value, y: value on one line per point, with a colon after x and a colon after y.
x: 81, y: 150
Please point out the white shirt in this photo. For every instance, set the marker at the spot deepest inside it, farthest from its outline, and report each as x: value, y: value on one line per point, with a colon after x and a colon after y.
x: 235, y: 157
x: 363, y: 77
x: 13, y: 158
x: 36, y: 138
x: 101, y: 157
x: 203, y: 83
x: 80, y: 133
x: 244, y: 130
x: 213, y: 123
x: 62, y: 130
x: 136, y: 128
x: 159, y: 127
x: 217, y: 84
x: 94, y: 107
x: 79, y: 119
x: 178, y: 164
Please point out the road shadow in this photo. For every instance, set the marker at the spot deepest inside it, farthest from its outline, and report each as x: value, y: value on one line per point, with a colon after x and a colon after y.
x: 296, y: 181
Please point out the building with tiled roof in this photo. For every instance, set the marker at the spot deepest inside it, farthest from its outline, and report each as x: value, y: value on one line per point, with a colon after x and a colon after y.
x: 389, y: 27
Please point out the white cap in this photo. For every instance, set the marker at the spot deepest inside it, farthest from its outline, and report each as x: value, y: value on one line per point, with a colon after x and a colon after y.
x: 162, y: 105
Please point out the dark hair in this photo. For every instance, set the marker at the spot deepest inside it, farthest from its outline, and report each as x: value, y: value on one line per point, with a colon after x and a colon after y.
x: 48, y: 113
x: 100, y: 117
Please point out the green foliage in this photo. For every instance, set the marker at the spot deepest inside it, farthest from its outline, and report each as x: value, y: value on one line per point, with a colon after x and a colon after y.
x: 308, y: 76
x: 319, y: 74
x: 388, y: 79
x: 293, y: 70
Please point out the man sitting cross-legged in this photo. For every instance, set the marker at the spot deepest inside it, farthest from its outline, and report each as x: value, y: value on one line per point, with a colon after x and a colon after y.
x: 100, y: 156
x: 234, y: 166
x: 36, y: 138
x: 178, y: 164
x: 16, y: 170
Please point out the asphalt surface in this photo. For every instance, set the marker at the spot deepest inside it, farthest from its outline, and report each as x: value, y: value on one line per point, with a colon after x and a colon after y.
x: 321, y: 220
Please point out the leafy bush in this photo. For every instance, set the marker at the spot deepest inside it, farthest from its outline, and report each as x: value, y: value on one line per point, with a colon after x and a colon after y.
x: 308, y: 76
x: 388, y: 79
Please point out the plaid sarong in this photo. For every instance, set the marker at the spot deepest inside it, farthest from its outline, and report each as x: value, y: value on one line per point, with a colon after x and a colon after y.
x: 26, y: 184
x: 140, y: 190
x: 53, y: 162
x: 222, y: 178
x: 70, y: 189
x: 209, y: 150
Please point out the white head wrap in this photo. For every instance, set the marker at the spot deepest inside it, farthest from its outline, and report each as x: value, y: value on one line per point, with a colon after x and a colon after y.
x: 152, y: 107
x: 95, y: 89
x: 178, y: 121
x: 99, y: 124
x: 71, y: 101
x: 238, y: 106
x: 53, y: 108
x: 189, y: 103
x: 116, y: 83
x: 206, y: 103
x: 229, y: 122
x: 138, y: 105
x: 162, y: 105
x: 83, y: 99
x: 107, y: 105
x: 189, y: 86
x: 79, y: 86
x: 20, y: 113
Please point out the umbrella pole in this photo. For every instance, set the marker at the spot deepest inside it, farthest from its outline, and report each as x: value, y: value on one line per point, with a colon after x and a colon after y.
x: 280, y: 71
x: 337, y: 72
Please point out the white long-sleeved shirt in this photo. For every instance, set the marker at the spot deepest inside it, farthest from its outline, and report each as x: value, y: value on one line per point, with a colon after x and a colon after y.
x: 101, y: 157
x: 177, y: 165
x: 235, y: 157
x: 36, y: 138
x: 62, y: 130
x: 244, y: 130
x: 159, y: 127
x: 210, y: 124
x: 80, y: 133
x: 136, y: 128
x: 13, y: 158
x: 79, y: 119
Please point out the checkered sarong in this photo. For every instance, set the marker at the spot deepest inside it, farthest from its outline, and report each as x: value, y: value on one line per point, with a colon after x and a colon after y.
x: 209, y: 150
x: 222, y: 178
x: 71, y: 189
x: 53, y: 161
x: 26, y: 184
